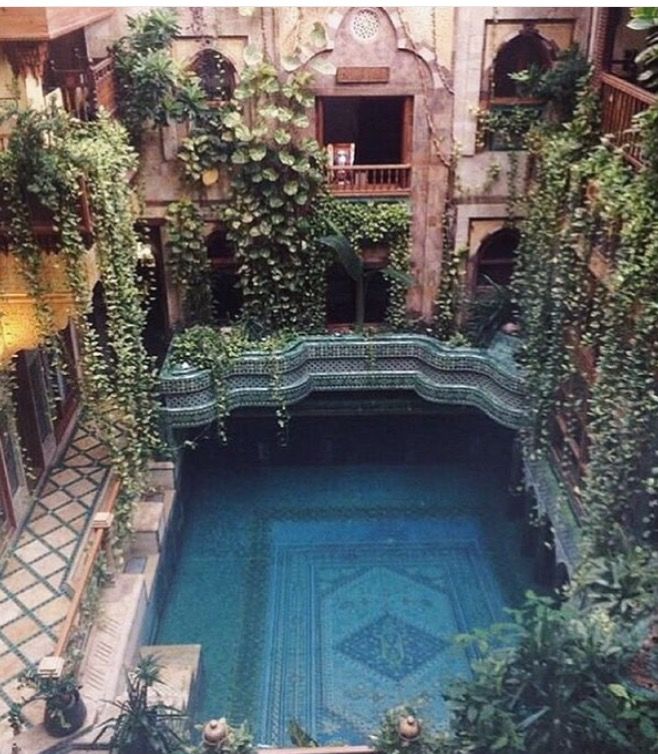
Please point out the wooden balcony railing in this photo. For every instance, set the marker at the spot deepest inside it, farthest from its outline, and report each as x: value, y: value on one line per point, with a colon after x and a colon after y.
x: 87, y: 88
x: 370, y: 180
x: 621, y: 101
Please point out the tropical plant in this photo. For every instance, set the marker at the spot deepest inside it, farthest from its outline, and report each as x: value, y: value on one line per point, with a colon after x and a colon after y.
x: 152, y: 86
x: 646, y: 19
x: 532, y: 692
x: 623, y: 583
x: 352, y: 262
x: 65, y: 711
x: 144, y: 726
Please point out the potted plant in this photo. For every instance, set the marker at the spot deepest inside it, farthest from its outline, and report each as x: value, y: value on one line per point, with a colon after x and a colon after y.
x: 144, y: 726
x: 65, y: 709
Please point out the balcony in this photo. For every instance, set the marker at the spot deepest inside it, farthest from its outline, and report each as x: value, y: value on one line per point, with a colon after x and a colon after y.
x: 621, y: 101
x: 41, y: 24
x: 87, y: 87
x: 370, y: 180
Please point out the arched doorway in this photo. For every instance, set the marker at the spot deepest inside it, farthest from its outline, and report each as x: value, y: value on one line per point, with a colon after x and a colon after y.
x: 528, y: 49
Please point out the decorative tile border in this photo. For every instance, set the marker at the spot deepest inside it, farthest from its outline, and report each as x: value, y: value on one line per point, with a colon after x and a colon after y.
x: 486, y: 379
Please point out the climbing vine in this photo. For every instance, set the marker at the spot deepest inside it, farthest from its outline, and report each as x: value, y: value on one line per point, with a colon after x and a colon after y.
x: 70, y: 162
x: 277, y: 175
x: 587, y: 276
x: 188, y: 260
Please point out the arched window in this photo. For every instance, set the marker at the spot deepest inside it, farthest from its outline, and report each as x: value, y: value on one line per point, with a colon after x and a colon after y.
x: 496, y: 256
x: 526, y: 49
x: 225, y: 282
x: 216, y: 73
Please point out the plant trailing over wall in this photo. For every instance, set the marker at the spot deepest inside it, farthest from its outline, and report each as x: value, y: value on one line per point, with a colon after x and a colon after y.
x: 277, y: 176
x: 152, y: 87
x: 188, y: 260
x: 215, y: 350
x: 117, y: 379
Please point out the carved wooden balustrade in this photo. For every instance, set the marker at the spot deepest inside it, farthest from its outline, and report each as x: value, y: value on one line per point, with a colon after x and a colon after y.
x: 87, y: 88
x: 621, y: 101
x: 370, y: 180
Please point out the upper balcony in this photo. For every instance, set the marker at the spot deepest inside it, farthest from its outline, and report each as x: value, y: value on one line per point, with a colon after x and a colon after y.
x: 368, y: 140
x: 86, y: 87
x: 621, y: 102
x: 370, y: 180
x: 44, y: 24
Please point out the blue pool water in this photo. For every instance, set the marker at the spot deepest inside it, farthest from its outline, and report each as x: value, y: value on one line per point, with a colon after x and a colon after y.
x: 327, y: 581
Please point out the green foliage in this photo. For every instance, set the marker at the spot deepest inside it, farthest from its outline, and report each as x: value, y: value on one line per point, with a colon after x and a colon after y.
x: 558, y: 86
x: 623, y: 583
x: 533, y: 691
x: 299, y: 737
x: 277, y: 176
x: 117, y: 379
x: 216, y: 350
x: 351, y: 260
x: 141, y: 725
x: 152, y: 87
x: 374, y: 224
x: 188, y: 260
x: 646, y: 19
x: 57, y: 692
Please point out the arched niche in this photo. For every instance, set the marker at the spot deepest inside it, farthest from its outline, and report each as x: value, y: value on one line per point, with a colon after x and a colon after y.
x: 495, y: 258
x: 526, y: 49
x: 216, y: 73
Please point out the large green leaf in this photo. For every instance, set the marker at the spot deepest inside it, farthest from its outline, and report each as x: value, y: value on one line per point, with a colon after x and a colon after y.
x: 346, y: 254
x: 252, y: 55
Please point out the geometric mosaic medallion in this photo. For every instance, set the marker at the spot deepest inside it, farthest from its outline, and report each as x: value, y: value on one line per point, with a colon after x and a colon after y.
x: 392, y: 647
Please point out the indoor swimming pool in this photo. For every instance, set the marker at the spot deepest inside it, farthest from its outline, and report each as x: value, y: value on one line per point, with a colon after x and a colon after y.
x: 327, y: 580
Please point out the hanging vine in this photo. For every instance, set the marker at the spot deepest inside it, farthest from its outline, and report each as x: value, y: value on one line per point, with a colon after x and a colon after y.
x: 188, y: 260
x: 117, y: 380
x: 277, y: 175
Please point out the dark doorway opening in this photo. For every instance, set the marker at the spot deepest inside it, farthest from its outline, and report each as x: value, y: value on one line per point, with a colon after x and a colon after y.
x: 375, y: 125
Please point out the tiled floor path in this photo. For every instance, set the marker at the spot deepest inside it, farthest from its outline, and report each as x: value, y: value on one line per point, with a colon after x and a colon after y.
x: 32, y: 601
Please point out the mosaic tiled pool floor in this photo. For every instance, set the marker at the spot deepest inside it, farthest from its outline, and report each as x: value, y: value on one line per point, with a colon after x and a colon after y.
x: 331, y: 593
x: 362, y: 619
